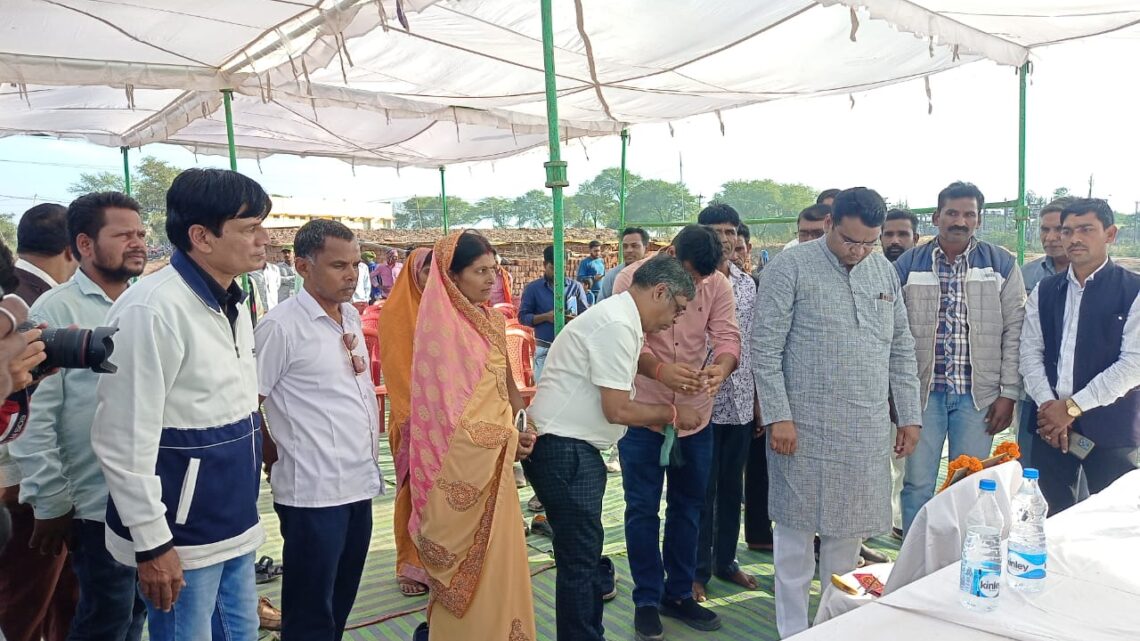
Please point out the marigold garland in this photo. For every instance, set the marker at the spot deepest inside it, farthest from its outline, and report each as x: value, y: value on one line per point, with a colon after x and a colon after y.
x: 963, y: 462
x: 1008, y: 450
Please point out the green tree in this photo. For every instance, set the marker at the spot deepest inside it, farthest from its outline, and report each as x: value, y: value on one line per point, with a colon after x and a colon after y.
x: 426, y: 212
x: 766, y: 198
x: 535, y: 208
x: 598, y: 200
x: 8, y: 230
x: 659, y: 201
x: 500, y: 211
x: 150, y: 180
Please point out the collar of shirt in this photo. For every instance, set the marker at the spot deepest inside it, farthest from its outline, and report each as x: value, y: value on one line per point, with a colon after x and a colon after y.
x: 1049, y: 266
x: 209, y: 290
x: 32, y: 269
x: 940, y: 256
x: 316, y: 312
x: 88, y: 287
x: 1072, y: 276
x: 830, y: 255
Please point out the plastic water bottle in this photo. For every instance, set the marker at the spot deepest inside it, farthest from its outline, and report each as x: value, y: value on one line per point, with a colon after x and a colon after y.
x: 1025, y: 563
x: 980, y: 581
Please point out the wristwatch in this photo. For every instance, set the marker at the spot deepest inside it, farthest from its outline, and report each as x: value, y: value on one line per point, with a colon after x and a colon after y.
x: 1072, y: 409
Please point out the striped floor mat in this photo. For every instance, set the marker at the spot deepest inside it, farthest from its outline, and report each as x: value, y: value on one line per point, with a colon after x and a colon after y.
x: 383, y: 613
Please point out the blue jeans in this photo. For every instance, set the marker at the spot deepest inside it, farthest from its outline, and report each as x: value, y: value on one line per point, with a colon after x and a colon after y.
x: 109, y: 608
x: 324, y: 551
x: 539, y: 361
x: 663, y: 570
x: 946, y: 415
x: 219, y: 603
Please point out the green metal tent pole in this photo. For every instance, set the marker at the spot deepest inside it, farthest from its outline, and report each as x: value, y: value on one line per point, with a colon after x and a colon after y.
x: 443, y: 198
x: 227, y: 98
x: 1022, y: 211
x: 621, y: 195
x: 126, y: 169
x: 556, y: 167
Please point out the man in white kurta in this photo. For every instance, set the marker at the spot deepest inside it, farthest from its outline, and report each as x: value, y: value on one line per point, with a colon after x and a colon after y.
x: 829, y: 340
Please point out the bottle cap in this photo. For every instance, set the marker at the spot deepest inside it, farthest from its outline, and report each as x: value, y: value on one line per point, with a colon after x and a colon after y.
x: 1030, y: 473
x: 988, y: 485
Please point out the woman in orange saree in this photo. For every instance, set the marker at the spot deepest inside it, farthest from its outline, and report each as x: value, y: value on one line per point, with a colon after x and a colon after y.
x: 462, y: 444
x: 396, y: 327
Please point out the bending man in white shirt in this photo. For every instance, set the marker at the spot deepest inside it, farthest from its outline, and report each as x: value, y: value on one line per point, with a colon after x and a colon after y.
x: 321, y: 442
x: 583, y: 403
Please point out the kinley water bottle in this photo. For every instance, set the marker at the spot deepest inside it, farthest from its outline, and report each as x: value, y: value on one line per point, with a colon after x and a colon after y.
x: 1025, y: 563
x: 980, y: 583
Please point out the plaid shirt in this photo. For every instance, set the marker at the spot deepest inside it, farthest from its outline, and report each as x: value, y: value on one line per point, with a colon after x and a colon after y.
x: 952, y: 371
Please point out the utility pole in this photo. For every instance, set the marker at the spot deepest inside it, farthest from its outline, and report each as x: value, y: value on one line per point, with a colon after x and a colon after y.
x: 1090, y: 185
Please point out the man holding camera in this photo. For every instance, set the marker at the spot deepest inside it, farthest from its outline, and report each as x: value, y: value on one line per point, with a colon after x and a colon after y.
x: 37, y: 593
x: 62, y: 480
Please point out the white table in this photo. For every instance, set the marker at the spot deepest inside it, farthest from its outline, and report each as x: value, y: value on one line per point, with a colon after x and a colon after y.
x: 1092, y: 593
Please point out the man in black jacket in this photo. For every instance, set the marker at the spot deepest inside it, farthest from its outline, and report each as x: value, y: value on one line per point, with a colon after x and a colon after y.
x: 1080, y: 357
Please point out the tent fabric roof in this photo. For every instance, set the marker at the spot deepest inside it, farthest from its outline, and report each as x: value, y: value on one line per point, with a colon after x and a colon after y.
x: 362, y: 80
x: 406, y: 135
x: 174, y: 44
x: 1004, y: 31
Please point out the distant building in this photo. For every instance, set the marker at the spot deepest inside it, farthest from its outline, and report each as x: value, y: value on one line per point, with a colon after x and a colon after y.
x: 295, y: 212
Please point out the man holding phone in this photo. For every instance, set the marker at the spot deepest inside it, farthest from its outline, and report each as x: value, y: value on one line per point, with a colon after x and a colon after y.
x: 537, y: 308
x: 1080, y: 357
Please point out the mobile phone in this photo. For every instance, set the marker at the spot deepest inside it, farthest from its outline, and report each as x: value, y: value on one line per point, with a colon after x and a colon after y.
x: 1080, y: 445
x: 520, y: 421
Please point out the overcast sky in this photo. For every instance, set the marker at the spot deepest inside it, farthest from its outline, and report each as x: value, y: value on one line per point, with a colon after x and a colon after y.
x: 1082, y: 120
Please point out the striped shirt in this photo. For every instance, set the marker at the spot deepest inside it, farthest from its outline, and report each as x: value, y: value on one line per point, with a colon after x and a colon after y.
x: 952, y: 371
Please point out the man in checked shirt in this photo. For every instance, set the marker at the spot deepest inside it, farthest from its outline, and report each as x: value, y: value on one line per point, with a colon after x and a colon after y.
x: 965, y: 301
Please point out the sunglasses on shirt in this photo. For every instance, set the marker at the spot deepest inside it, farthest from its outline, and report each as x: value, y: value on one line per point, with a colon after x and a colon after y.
x: 350, y: 342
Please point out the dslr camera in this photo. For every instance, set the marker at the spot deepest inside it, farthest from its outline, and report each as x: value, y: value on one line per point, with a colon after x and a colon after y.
x: 75, y: 348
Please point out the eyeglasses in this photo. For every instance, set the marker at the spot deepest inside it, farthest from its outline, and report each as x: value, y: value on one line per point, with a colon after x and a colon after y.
x: 350, y: 342
x: 854, y: 244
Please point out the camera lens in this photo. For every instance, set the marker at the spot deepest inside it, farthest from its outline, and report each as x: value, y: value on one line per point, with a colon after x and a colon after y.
x: 74, y: 348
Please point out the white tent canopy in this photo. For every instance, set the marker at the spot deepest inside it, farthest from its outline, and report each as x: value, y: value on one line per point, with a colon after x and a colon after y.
x: 393, y: 133
x: 174, y: 44
x: 355, y: 79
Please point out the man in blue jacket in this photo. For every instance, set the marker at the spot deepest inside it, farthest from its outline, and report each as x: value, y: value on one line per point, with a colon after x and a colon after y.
x: 965, y: 302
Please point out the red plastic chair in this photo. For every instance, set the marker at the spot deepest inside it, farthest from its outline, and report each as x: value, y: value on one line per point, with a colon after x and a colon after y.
x: 520, y: 349
x: 368, y: 323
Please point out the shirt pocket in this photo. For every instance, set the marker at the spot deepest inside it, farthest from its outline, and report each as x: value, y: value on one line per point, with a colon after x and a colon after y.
x: 876, y: 316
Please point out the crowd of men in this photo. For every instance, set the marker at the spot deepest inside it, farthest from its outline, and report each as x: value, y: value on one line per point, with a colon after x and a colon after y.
x: 818, y: 390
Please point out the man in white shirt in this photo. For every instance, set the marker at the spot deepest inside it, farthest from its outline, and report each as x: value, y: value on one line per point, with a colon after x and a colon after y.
x: 583, y: 403
x: 362, y: 292
x: 1080, y: 358
x: 321, y: 447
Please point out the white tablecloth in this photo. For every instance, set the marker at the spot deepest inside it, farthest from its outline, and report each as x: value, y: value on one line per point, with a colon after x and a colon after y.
x: 1092, y: 593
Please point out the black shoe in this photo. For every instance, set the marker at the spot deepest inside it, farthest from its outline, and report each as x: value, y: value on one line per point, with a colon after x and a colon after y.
x: 873, y: 556
x: 609, y: 579
x: 691, y: 614
x: 647, y: 624
x: 897, y: 533
x: 421, y: 633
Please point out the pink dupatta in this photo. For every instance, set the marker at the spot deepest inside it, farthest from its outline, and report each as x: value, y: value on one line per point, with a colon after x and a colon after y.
x: 452, y: 341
